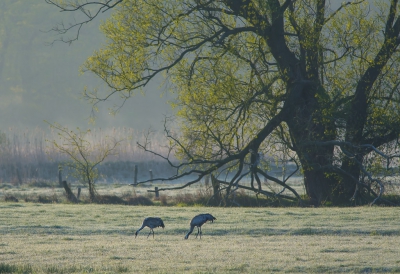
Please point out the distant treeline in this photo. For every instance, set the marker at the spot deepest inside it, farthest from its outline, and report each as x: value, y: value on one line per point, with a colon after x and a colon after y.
x: 26, y: 156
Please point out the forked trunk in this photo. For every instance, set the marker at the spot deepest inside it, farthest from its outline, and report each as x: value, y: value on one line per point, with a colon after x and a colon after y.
x: 309, y: 129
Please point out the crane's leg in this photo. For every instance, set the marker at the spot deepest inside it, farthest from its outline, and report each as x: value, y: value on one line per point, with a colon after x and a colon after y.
x: 198, y: 231
x: 150, y: 233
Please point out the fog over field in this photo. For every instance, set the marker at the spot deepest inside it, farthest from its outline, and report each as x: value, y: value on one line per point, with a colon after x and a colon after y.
x: 312, y: 93
x: 39, y: 81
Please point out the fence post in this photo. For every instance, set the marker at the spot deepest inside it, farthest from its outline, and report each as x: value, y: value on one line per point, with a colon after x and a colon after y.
x: 19, y: 177
x: 60, y: 176
x: 157, y: 193
x: 151, y: 176
x: 135, y: 175
x: 207, y: 181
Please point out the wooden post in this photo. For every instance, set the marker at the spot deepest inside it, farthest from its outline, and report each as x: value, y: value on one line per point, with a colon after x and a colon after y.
x: 135, y: 175
x: 151, y: 176
x: 79, y: 193
x: 157, y: 193
x: 207, y: 181
x: 60, y: 176
x: 19, y: 177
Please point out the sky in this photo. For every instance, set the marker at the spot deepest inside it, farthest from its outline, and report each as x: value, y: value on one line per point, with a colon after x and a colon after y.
x: 41, y: 82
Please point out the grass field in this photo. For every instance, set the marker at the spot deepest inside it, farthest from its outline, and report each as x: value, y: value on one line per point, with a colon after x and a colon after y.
x: 90, y: 238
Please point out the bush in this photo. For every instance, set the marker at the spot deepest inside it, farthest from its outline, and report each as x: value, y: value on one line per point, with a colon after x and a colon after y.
x: 200, y: 197
x: 110, y: 199
x: 47, y: 199
x: 139, y: 200
x: 10, y: 198
x: 44, y: 184
x: 163, y: 200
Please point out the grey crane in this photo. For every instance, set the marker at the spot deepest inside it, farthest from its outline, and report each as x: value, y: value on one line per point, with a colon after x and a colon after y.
x: 151, y: 222
x: 198, y: 221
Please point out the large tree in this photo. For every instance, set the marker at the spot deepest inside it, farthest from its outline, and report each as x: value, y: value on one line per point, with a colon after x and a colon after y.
x: 315, y: 81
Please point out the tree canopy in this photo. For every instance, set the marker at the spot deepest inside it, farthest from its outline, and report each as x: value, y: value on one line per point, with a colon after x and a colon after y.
x: 307, y: 80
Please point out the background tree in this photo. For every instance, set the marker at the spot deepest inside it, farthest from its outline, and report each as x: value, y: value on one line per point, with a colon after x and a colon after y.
x: 302, y: 77
x: 84, y: 154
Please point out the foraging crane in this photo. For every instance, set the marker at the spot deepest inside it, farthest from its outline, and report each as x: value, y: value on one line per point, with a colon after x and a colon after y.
x: 151, y: 222
x: 198, y: 221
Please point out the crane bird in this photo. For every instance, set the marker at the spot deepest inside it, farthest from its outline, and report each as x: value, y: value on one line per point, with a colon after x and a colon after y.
x: 151, y: 222
x: 198, y: 221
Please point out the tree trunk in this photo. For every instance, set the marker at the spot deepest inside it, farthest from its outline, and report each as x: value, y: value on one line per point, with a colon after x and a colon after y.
x: 347, y: 186
x: 92, y: 192
x: 316, y: 188
x: 309, y: 128
x: 216, y: 194
x: 318, y: 182
x: 70, y: 196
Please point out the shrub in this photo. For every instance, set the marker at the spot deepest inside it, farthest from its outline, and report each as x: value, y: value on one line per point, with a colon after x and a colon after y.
x: 47, y: 199
x: 10, y: 198
x: 110, y: 199
x: 44, y: 184
x: 163, y: 200
x: 200, y: 197
x: 139, y: 200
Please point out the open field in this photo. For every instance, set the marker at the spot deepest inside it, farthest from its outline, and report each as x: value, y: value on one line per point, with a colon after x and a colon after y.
x: 89, y: 238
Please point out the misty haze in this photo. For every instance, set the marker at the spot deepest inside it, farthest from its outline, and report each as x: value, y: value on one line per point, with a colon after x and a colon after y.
x: 267, y: 130
x: 40, y: 81
x: 264, y: 108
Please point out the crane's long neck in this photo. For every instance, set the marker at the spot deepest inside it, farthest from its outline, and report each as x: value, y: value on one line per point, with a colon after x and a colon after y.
x: 190, y: 231
x: 137, y: 231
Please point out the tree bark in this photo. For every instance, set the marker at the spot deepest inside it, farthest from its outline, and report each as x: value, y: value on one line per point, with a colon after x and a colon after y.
x: 307, y: 124
x: 92, y: 192
x: 215, y: 184
x: 70, y: 196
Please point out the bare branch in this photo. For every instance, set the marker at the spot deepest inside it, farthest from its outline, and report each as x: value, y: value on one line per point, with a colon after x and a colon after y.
x: 70, y: 6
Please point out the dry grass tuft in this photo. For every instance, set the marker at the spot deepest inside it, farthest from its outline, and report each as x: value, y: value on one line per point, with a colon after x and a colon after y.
x: 163, y: 200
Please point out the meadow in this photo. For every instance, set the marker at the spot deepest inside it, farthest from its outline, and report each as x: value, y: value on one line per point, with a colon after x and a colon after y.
x: 44, y: 233
x: 93, y: 238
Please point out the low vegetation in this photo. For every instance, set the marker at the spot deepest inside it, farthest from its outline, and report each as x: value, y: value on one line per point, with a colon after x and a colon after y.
x: 93, y: 238
x: 124, y: 194
x: 128, y: 195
